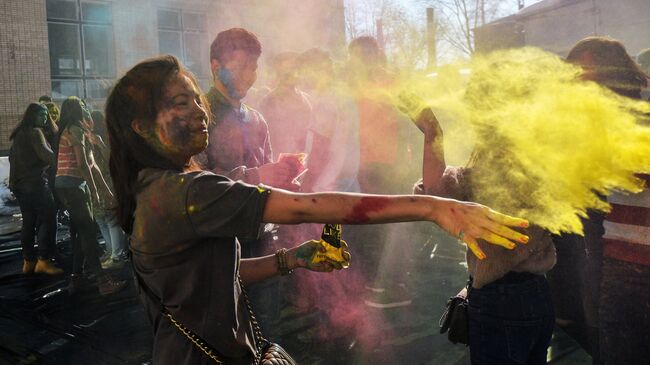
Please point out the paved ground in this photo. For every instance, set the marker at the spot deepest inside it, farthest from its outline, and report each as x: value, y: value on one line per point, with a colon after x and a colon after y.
x: 41, y: 324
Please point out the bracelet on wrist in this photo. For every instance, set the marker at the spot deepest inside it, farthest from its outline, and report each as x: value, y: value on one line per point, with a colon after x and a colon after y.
x: 283, y: 266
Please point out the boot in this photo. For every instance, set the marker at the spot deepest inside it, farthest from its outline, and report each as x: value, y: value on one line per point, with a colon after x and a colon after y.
x: 28, y: 267
x: 107, y: 286
x: 46, y: 267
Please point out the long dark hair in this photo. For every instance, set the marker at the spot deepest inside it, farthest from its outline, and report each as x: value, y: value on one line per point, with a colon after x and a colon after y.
x: 28, y: 118
x: 72, y: 113
x: 136, y: 96
x: 607, y: 63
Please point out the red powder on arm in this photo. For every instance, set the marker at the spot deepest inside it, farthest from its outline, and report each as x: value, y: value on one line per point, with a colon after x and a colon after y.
x: 359, y: 214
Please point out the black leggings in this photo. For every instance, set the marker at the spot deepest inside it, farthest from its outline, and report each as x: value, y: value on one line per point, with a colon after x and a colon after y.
x: 76, y: 200
x: 39, y: 220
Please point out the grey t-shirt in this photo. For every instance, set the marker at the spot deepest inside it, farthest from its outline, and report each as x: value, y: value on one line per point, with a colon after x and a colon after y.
x: 186, y: 251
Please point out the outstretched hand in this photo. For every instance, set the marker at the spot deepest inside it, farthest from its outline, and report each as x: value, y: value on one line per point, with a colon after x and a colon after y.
x: 421, y: 114
x: 304, y: 253
x: 471, y: 222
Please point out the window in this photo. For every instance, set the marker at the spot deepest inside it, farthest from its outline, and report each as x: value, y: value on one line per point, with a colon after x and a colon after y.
x: 182, y: 34
x: 82, y: 49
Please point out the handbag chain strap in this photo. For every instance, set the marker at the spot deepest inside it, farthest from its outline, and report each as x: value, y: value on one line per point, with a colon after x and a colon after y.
x: 194, y: 338
x: 199, y: 343
x: 259, y: 337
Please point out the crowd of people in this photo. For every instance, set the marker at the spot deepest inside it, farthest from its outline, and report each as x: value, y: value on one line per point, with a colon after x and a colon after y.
x: 197, y: 184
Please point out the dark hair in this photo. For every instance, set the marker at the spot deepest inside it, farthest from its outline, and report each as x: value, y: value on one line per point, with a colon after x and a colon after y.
x: 136, y: 96
x: 72, y: 113
x: 45, y: 99
x: 234, y: 39
x: 607, y: 62
x: 28, y: 118
x: 367, y: 50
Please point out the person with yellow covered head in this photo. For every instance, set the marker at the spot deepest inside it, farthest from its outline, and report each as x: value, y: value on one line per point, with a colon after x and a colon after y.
x: 511, y: 315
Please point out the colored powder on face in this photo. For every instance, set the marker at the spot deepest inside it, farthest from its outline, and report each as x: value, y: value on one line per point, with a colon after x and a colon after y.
x: 228, y: 80
x: 365, y: 206
x: 179, y: 132
x: 545, y: 142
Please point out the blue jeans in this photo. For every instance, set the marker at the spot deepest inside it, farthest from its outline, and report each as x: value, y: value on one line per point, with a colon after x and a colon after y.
x: 511, y: 321
x: 114, y: 237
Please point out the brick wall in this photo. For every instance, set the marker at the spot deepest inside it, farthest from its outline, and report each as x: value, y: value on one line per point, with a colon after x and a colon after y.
x: 282, y: 25
x: 24, y: 61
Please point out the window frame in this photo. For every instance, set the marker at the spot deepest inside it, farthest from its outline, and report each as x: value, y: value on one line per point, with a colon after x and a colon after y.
x: 183, y: 30
x: 79, y: 23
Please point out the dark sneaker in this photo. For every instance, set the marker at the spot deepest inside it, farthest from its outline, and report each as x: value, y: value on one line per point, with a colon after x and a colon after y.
x: 391, y: 297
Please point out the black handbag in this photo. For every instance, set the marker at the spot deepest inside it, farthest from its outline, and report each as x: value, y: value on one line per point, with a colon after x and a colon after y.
x: 455, y: 319
x: 268, y: 353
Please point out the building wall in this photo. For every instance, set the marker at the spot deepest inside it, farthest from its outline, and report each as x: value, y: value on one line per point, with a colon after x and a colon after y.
x: 282, y: 25
x: 558, y: 29
x: 24, y: 61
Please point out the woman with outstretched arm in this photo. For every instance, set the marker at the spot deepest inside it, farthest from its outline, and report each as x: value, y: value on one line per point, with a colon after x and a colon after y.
x: 185, y: 223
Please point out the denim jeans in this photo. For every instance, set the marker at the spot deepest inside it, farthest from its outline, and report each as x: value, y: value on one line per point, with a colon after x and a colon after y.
x: 39, y: 221
x: 511, y: 321
x: 114, y: 237
x: 76, y: 200
x: 624, y: 313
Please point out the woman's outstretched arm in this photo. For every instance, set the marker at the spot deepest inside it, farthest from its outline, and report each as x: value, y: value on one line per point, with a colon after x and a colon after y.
x: 469, y: 221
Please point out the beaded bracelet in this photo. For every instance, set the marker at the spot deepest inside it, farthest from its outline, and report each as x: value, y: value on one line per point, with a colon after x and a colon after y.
x: 283, y: 267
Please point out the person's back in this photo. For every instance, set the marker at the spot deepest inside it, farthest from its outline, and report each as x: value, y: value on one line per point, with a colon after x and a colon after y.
x: 27, y: 166
x: 67, y: 164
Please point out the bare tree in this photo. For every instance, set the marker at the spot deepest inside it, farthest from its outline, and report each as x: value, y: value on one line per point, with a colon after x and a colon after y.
x: 403, y: 35
x: 404, y: 26
x: 459, y: 18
